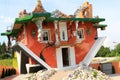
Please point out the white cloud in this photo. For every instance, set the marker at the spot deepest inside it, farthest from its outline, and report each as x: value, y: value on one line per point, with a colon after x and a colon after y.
x: 66, y: 6
x: 6, y: 19
x: 107, y: 42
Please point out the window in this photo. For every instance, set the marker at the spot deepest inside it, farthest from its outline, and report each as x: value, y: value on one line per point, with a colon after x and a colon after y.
x: 45, y: 35
x: 63, y: 31
x: 80, y: 33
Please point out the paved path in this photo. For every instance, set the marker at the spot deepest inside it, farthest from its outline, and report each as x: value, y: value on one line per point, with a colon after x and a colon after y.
x: 59, y: 75
x: 17, y: 77
x: 24, y: 76
x: 115, y: 76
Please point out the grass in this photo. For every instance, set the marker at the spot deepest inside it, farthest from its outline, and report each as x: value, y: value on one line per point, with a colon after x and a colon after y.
x: 12, y: 62
x: 7, y: 62
x: 15, y: 64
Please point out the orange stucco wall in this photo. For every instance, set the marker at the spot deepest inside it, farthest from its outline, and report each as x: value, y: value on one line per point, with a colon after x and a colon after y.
x: 37, y: 47
x: 117, y: 67
x: 81, y: 49
x: 115, y: 64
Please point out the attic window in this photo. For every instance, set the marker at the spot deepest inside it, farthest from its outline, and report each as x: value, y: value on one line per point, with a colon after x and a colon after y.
x: 46, y: 35
x: 80, y: 33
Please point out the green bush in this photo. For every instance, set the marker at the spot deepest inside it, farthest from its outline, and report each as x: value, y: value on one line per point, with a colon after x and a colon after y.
x: 6, y: 72
x: 9, y: 73
x: 95, y: 74
x: 14, y: 71
x: 5, y: 56
x: 3, y: 73
x: 6, y: 62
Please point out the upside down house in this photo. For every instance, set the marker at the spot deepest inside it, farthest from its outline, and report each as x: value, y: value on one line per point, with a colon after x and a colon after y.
x: 55, y: 40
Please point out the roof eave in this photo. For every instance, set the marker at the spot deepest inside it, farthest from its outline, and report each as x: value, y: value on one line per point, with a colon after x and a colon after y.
x: 93, y: 20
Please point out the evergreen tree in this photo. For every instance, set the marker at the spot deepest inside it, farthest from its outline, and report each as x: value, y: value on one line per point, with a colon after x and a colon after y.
x: 6, y: 72
x: 3, y: 48
x: 0, y: 49
x: 3, y: 73
x: 103, y: 52
x: 117, y: 49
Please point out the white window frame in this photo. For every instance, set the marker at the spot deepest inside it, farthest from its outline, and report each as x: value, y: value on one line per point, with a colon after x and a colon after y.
x: 82, y: 32
x: 63, y: 28
x: 49, y: 35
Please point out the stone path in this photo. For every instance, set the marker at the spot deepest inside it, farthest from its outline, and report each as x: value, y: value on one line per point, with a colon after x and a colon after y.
x: 115, y: 76
x: 57, y: 76
x: 17, y: 77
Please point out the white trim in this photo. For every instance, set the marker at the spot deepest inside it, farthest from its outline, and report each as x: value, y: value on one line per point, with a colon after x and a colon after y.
x: 49, y: 35
x: 56, y: 32
x: 80, y: 39
x: 34, y: 56
x: 38, y: 22
x: 63, y: 28
x: 76, y: 24
x: 28, y: 66
x: 71, y: 57
x: 93, y: 51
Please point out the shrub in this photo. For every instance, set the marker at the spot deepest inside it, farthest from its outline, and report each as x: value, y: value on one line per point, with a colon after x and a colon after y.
x: 9, y: 73
x: 3, y: 73
x: 95, y: 74
x: 5, y: 56
x: 6, y: 62
x: 6, y: 72
x: 13, y: 71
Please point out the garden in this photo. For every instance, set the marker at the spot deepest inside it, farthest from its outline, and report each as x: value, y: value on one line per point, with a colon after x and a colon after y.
x: 8, y: 62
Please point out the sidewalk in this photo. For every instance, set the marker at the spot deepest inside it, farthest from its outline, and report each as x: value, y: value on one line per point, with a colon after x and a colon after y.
x: 17, y: 77
x: 115, y: 76
x: 24, y: 76
x: 9, y: 77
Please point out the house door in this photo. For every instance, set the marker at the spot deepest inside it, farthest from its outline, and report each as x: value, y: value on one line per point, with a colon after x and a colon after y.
x: 65, y: 57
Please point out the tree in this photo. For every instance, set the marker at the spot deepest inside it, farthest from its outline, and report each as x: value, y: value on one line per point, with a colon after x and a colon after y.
x: 117, y: 49
x: 103, y: 52
x: 0, y: 48
x: 3, y: 73
x: 3, y: 48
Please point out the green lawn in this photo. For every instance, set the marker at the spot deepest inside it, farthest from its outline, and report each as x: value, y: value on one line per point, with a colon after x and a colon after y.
x: 15, y: 64
x: 12, y: 62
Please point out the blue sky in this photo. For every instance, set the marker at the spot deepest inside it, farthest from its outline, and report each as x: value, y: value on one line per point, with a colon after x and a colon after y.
x: 110, y: 10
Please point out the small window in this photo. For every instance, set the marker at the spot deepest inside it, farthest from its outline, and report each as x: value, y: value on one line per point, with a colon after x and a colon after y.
x: 63, y: 31
x: 80, y: 33
x: 45, y: 35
